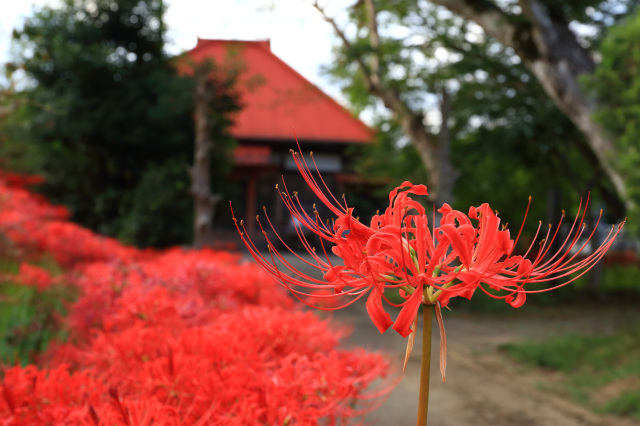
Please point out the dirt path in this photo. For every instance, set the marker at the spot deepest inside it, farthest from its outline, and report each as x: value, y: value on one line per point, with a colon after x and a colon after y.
x: 484, y: 387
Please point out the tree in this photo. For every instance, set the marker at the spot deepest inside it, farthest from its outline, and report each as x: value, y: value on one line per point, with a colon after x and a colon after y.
x: 374, y: 77
x: 17, y: 154
x: 112, y: 117
x: 539, y: 32
x: 616, y: 86
x: 214, y: 92
x: 422, y: 47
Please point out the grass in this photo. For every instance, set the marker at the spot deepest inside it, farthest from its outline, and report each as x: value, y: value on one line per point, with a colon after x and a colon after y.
x: 625, y: 405
x: 622, y: 280
x: 29, y: 319
x: 600, y: 371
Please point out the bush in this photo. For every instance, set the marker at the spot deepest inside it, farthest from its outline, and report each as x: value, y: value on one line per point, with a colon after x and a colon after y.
x: 169, y: 337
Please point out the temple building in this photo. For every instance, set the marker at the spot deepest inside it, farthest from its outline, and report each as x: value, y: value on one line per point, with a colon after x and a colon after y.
x: 276, y: 102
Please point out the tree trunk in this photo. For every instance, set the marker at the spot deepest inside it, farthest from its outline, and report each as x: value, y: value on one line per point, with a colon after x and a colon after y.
x: 434, y: 154
x: 204, y: 202
x: 412, y: 122
x: 448, y: 174
x: 413, y: 126
x: 552, y: 53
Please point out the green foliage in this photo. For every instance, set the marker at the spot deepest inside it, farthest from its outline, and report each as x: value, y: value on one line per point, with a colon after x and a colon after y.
x: 106, y: 103
x: 29, y: 318
x: 618, y: 282
x: 161, y: 201
x: 598, y: 14
x: 509, y: 140
x: 109, y: 114
x: 569, y: 353
x: 588, y: 364
x: 17, y: 152
x: 625, y: 405
x: 617, y: 88
x: 386, y: 161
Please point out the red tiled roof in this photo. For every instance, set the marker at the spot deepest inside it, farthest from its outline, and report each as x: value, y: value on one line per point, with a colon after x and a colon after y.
x: 283, y: 100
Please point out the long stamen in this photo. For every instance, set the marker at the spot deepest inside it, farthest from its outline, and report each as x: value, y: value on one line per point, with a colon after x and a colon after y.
x: 399, y: 251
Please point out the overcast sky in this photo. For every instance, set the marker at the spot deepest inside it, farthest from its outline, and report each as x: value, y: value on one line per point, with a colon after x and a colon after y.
x: 298, y: 35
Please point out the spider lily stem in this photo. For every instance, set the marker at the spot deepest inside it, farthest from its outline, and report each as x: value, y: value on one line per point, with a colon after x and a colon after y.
x: 425, y: 364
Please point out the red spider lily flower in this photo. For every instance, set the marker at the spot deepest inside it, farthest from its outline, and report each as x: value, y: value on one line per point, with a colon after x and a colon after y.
x: 427, y: 264
x: 145, y: 332
x: 35, y: 276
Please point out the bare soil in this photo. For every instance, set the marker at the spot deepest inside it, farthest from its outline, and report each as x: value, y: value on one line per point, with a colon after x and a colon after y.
x: 483, y: 385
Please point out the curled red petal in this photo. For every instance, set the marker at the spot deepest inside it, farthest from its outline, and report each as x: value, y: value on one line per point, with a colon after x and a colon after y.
x: 517, y: 301
x: 414, y: 189
x: 408, y: 313
x: 381, y: 319
x: 525, y: 268
x: 460, y: 242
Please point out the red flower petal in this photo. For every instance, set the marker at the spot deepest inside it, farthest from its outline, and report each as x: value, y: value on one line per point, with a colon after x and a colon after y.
x: 408, y: 313
x: 381, y: 319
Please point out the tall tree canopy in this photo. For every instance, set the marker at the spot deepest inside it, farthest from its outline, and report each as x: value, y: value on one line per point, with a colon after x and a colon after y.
x: 112, y: 116
x: 502, y: 121
x: 540, y: 32
x: 616, y: 86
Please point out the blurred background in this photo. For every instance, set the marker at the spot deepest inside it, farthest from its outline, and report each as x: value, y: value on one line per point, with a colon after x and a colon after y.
x: 146, y: 117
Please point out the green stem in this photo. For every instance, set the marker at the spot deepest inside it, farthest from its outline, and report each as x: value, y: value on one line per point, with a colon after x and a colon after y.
x: 425, y: 365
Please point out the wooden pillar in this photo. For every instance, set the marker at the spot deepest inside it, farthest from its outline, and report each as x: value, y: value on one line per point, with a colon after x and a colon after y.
x: 250, y: 212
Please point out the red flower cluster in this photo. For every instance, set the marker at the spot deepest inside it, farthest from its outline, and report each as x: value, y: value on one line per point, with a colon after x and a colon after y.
x: 174, y: 337
x: 35, y: 227
x: 15, y: 180
x: 31, y: 275
x: 428, y: 265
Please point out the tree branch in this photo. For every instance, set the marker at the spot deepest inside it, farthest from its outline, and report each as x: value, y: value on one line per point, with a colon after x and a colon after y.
x: 374, y: 37
x: 552, y: 53
x: 554, y: 39
x: 495, y: 22
x: 412, y: 122
x: 347, y: 44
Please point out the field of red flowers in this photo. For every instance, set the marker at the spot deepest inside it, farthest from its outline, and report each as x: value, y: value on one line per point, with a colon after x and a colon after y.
x: 166, y: 337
